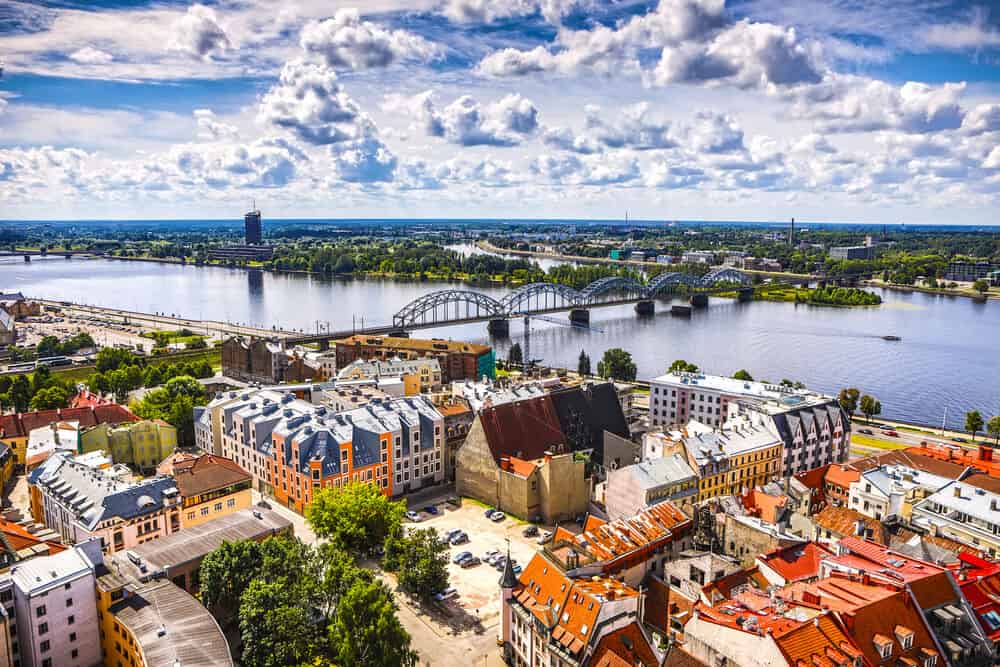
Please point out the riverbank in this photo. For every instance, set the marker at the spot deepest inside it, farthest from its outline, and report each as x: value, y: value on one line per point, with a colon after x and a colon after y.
x: 968, y: 292
x: 486, y: 246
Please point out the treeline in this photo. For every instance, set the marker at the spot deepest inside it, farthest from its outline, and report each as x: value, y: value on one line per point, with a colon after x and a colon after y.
x: 838, y: 296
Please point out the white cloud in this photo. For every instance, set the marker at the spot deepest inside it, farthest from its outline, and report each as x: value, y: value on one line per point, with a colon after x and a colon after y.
x: 199, y: 34
x: 586, y: 171
x: 211, y: 129
x: 992, y: 160
x: 308, y: 101
x: 345, y: 41
x: 982, y: 118
x: 977, y: 32
x: 91, y: 56
x: 489, y: 11
x: 466, y: 122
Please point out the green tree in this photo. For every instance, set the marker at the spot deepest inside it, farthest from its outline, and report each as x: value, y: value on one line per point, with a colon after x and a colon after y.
x: 982, y: 286
x: 50, y: 398
x: 41, y: 379
x: 19, y: 394
x: 616, y: 364
x: 743, y: 375
x: 366, y: 630
x: 112, y: 358
x: 276, y: 626
x: 224, y: 574
x: 870, y: 406
x: 420, y: 560
x: 356, y: 517
x: 973, y: 422
x: 681, y: 366
x: 583, y: 364
x: 514, y: 355
x: 848, y: 399
x: 993, y: 428
x: 48, y: 346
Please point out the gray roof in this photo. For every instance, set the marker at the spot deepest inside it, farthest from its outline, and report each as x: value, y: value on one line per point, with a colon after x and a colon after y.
x: 92, y: 496
x: 659, y: 472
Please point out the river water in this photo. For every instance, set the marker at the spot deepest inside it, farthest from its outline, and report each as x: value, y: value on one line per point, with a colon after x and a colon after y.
x: 949, y: 355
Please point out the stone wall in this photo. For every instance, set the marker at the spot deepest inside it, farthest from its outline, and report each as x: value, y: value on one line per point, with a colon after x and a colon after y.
x: 476, y: 473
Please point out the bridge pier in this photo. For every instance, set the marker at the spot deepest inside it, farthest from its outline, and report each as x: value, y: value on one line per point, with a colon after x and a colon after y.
x: 27, y: 258
x: 645, y: 307
x: 499, y: 328
x: 398, y: 333
x: 324, y: 345
x: 698, y: 300
x: 579, y: 316
x: 745, y: 294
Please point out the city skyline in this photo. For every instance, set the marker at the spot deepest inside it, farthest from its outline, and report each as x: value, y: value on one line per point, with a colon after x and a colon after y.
x: 681, y: 109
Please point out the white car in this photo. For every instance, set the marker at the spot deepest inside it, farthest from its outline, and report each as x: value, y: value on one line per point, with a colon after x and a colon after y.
x: 446, y: 594
x: 498, y: 516
x: 545, y: 536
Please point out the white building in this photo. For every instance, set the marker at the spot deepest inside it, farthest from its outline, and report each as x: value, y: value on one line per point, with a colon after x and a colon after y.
x: 814, y: 428
x: 881, y: 492
x: 55, y: 604
x: 633, y: 488
x: 698, y: 257
x: 963, y: 512
x: 488, y: 393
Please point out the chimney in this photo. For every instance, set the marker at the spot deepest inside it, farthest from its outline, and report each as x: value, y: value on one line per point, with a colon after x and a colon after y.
x: 548, y: 456
x: 985, y: 453
x: 958, y: 491
x: 505, y: 463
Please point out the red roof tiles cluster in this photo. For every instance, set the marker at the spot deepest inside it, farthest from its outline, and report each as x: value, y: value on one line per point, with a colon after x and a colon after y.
x: 979, y: 581
x: 627, y: 646
x: 796, y: 562
x: 523, y: 429
x: 21, y: 424
x: 88, y: 399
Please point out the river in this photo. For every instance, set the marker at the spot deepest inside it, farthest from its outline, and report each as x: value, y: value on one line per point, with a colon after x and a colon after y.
x: 948, y: 357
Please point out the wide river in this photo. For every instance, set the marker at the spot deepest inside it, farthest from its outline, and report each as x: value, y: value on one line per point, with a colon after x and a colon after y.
x: 949, y: 356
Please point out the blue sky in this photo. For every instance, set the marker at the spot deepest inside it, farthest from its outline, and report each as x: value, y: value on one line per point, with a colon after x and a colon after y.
x: 876, y: 111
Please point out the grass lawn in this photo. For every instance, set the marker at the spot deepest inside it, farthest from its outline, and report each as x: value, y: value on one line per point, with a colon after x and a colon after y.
x: 76, y: 374
x: 877, y: 443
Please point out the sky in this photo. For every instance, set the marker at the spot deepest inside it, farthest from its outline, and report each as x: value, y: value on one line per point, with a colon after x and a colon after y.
x: 872, y: 111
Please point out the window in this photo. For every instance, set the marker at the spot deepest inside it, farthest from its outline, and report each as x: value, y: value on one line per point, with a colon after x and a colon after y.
x: 44, y: 646
x: 884, y: 648
x: 71, y: 620
x: 40, y: 611
x: 231, y: 502
x: 930, y: 661
x: 69, y: 602
x: 43, y: 628
x: 204, y: 511
x: 47, y: 662
x: 218, y: 507
x: 72, y: 636
x: 74, y: 653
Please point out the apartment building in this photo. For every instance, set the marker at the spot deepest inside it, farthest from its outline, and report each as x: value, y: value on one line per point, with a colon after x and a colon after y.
x: 965, y: 511
x: 292, y: 447
x: 419, y: 376
x: 15, y: 428
x: 889, y: 491
x: 210, y: 486
x: 55, y: 608
x: 458, y: 360
x: 632, y: 488
x: 81, y: 502
x: 141, y: 444
x: 814, y: 428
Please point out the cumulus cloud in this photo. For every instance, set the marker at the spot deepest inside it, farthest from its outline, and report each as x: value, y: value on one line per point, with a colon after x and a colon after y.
x: 663, y: 175
x: 982, y: 118
x: 346, y: 41
x: 635, y: 127
x: 992, y: 160
x: 845, y: 103
x: 211, y: 129
x: 711, y: 132
x: 308, y: 100
x: 489, y: 11
x: 593, y: 170
x: 467, y: 122
x: 364, y: 160
x: 91, y: 56
x: 199, y: 34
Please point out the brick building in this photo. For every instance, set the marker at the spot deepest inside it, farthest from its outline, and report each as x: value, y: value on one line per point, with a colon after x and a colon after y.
x: 458, y: 360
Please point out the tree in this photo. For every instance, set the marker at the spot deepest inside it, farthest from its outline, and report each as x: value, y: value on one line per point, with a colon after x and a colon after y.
x: 743, y: 375
x: 982, y: 286
x: 20, y: 393
x: 870, y: 406
x: 848, y: 399
x: 514, y: 356
x: 98, y: 383
x: 420, y: 560
x: 111, y: 358
x: 224, y: 574
x: 48, y: 346
x: 681, y: 366
x: 616, y: 364
x: 174, y: 402
x: 355, y: 517
x: 366, y: 631
x: 973, y: 422
x: 276, y: 626
x: 41, y: 379
x: 583, y: 364
x: 50, y: 398
x: 993, y: 428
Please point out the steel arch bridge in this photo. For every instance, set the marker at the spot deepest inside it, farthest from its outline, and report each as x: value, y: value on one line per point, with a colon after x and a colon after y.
x: 454, y: 305
x: 540, y: 296
x: 447, y: 306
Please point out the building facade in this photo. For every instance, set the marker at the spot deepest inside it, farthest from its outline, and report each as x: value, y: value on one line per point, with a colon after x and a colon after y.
x: 142, y: 444
x: 457, y: 360
x: 15, y: 428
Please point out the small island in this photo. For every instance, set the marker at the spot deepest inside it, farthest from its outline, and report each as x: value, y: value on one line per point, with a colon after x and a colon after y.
x: 819, y: 296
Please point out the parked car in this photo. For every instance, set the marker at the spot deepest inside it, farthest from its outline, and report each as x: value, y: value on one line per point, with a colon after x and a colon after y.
x: 497, y: 516
x: 892, y: 434
x: 489, y: 512
x: 516, y: 569
x: 500, y: 562
x: 492, y: 553
x: 433, y: 511
x: 452, y: 533
x: 459, y: 557
x: 492, y: 560
x: 470, y: 562
x: 865, y: 431
x: 446, y: 594
x: 458, y: 538
x: 960, y: 439
x: 545, y: 536
x: 412, y: 516
x: 530, y: 531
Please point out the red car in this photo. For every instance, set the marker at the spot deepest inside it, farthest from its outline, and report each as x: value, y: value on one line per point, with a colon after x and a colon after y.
x: 892, y: 434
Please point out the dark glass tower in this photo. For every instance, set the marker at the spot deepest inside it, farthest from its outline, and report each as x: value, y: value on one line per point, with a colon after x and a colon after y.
x: 251, y: 226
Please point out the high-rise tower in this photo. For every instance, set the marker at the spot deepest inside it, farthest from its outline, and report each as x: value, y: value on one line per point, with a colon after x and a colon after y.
x: 251, y: 226
x: 791, y: 233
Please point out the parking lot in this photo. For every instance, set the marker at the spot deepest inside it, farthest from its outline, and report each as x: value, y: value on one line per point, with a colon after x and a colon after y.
x: 478, y: 586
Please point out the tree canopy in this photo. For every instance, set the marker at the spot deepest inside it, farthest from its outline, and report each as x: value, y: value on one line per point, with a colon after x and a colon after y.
x: 848, y: 399
x: 681, y: 366
x: 973, y: 422
x: 616, y: 364
x: 356, y: 517
x: 743, y: 375
x: 420, y: 561
x: 870, y: 406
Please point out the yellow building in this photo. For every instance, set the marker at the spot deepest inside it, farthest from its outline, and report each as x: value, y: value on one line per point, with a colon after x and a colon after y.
x: 6, y: 465
x: 15, y: 428
x: 210, y: 486
x: 420, y: 375
x: 142, y: 444
x: 730, y: 461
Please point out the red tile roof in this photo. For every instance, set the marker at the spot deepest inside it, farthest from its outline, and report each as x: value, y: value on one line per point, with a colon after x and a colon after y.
x: 21, y: 424
x: 960, y: 456
x: 979, y: 581
x: 764, y: 505
x: 796, y: 562
x: 821, y: 642
x: 521, y: 468
x: 207, y: 473
x: 15, y: 538
x: 525, y: 429
x: 841, y: 476
x: 627, y: 646
x: 87, y: 399
x: 842, y: 521
x: 678, y: 657
x: 722, y: 589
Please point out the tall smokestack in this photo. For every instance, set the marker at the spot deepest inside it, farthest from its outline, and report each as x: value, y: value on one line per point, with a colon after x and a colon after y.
x: 791, y: 233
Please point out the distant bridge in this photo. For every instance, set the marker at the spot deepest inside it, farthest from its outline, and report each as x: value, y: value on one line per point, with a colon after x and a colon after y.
x: 28, y: 254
